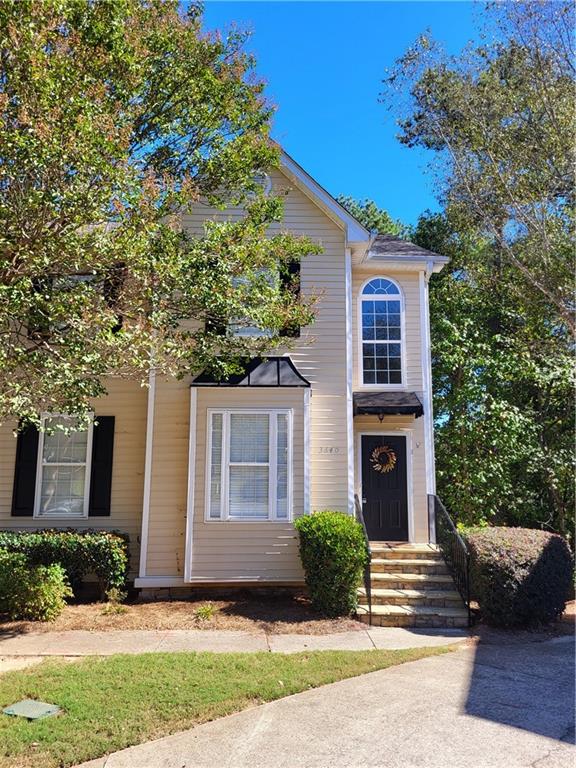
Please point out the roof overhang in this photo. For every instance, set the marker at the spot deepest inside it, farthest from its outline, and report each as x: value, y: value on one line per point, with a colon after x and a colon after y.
x: 357, y: 237
x: 387, y: 404
x: 258, y: 372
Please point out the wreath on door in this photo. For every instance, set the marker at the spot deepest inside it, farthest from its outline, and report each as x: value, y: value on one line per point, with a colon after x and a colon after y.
x: 383, y: 459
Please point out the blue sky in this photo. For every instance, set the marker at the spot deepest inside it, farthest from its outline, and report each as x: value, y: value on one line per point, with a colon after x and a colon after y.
x: 324, y: 62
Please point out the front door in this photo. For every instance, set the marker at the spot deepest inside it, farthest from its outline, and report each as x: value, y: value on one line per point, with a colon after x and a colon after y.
x: 385, y: 487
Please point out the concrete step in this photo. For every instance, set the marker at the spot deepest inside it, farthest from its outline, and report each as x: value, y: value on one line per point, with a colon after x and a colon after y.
x: 436, y: 597
x: 413, y: 616
x: 405, y: 565
x: 384, y: 551
x: 420, y: 581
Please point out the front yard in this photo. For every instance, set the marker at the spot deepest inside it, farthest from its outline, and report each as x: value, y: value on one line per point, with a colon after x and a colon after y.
x: 115, y: 702
x: 245, y: 611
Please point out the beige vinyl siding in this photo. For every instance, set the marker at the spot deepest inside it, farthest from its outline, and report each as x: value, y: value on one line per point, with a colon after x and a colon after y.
x: 320, y: 356
x: 127, y: 402
x: 418, y: 475
x: 409, y: 283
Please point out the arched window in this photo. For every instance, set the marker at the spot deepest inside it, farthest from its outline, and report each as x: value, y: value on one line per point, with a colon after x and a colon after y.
x: 381, y: 310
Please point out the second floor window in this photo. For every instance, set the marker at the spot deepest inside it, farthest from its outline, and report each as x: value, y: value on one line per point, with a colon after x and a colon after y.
x: 381, y: 329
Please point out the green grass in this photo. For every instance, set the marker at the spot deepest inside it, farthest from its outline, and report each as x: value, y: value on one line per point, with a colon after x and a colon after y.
x: 114, y: 702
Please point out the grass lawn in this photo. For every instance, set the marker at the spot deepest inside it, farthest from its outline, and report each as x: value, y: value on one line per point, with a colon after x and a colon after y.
x: 114, y: 702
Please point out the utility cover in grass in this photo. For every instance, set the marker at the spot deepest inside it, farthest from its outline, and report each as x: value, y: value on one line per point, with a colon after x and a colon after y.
x: 32, y: 710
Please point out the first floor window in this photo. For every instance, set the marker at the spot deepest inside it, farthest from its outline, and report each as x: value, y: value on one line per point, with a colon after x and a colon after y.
x: 249, y: 465
x: 63, y: 460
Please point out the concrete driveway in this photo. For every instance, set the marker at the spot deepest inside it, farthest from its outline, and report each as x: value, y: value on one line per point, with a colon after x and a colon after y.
x: 496, y: 705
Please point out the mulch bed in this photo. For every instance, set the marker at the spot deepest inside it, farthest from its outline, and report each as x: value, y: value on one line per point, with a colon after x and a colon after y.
x: 276, y: 614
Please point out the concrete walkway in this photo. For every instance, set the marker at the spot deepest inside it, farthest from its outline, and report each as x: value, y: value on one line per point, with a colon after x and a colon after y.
x: 493, y: 706
x: 81, y: 643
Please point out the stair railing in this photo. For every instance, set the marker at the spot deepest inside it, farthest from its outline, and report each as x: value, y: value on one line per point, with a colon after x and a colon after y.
x: 453, y: 548
x: 367, y: 575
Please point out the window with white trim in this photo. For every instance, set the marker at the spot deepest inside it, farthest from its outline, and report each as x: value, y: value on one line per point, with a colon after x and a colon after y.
x: 63, y: 477
x: 249, y: 465
x: 381, y: 329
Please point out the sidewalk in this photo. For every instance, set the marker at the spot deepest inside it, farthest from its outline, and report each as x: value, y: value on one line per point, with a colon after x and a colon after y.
x: 82, y: 643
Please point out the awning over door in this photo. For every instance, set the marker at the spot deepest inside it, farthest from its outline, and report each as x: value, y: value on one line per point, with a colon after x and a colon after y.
x: 387, y: 404
x: 268, y: 372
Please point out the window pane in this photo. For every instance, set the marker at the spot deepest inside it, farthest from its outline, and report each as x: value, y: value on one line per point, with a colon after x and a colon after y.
x: 282, y: 467
x: 248, y: 496
x: 216, y: 467
x: 249, y: 438
x: 62, y: 491
x: 61, y: 448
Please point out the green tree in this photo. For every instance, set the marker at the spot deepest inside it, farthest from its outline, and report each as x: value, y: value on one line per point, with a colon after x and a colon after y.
x: 501, y: 120
x: 502, y: 385
x: 117, y: 118
x: 375, y: 219
x: 503, y: 391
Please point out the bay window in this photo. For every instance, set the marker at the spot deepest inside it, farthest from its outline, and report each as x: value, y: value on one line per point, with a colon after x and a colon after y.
x: 249, y: 465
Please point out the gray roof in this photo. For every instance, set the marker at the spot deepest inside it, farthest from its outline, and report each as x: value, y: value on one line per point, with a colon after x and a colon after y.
x: 385, y: 246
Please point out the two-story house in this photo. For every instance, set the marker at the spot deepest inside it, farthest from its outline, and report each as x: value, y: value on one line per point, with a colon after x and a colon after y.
x: 207, y: 476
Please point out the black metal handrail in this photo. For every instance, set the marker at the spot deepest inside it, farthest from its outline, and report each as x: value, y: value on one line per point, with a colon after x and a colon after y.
x: 452, y: 546
x: 367, y: 576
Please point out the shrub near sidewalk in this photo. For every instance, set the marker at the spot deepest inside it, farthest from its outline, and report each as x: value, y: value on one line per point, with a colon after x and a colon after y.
x: 333, y: 554
x: 79, y: 553
x: 37, y: 593
x: 520, y: 576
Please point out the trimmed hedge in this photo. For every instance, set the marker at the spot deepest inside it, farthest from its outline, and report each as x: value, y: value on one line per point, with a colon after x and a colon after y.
x: 37, y: 593
x: 333, y: 554
x: 520, y: 576
x: 80, y: 553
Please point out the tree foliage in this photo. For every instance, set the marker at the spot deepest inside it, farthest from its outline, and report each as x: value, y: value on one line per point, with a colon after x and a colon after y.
x: 375, y: 219
x: 502, y: 383
x: 118, y: 118
x: 501, y: 118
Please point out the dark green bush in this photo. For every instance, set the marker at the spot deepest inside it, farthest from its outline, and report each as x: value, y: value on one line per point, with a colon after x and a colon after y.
x: 520, y: 576
x: 80, y: 553
x: 36, y: 593
x: 333, y: 554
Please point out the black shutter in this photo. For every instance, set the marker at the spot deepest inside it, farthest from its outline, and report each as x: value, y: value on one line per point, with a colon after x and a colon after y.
x: 112, y: 288
x: 25, y: 472
x: 38, y: 317
x: 290, y: 280
x: 101, y: 473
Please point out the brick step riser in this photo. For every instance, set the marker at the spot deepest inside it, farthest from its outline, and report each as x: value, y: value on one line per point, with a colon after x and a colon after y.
x: 398, y: 584
x: 415, y: 621
x: 384, y: 567
x: 448, y: 602
x: 387, y: 554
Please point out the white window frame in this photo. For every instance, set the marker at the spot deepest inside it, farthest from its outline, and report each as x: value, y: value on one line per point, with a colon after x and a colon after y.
x: 40, y: 467
x: 399, y: 297
x: 272, y: 414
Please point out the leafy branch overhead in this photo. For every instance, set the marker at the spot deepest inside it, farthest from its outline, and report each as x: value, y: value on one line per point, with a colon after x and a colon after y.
x: 117, y: 122
x: 501, y: 119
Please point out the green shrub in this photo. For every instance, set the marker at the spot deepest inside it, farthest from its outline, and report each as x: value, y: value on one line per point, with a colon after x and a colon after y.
x: 520, y: 576
x: 36, y: 593
x: 333, y: 553
x: 103, y: 553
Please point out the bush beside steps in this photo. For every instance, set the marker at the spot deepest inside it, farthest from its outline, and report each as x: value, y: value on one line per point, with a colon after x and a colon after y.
x: 520, y: 576
x: 333, y: 553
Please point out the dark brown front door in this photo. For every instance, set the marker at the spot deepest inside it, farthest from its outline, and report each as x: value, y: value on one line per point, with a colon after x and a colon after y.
x: 384, y: 487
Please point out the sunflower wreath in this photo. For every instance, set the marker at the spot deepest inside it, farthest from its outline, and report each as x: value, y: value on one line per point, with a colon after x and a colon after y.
x: 383, y: 459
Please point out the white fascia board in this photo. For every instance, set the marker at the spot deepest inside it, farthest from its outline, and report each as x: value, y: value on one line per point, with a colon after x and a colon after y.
x: 356, y: 234
x: 411, y: 263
